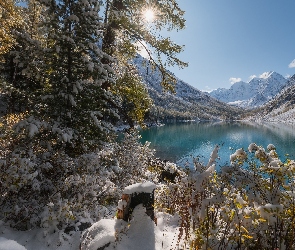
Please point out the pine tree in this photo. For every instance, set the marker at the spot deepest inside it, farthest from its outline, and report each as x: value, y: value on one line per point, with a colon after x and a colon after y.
x: 16, y: 85
x: 67, y: 73
x: 68, y: 113
x: 70, y: 91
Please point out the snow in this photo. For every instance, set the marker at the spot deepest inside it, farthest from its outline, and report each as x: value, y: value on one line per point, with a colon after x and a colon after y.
x: 140, y: 233
x: 252, y: 147
x: 270, y: 147
x: 144, y: 234
x: 6, y: 244
x: 213, y: 156
x: 122, y: 204
x: 240, y: 155
x: 66, y: 137
x: 275, y: 164
x: 267, y: 210
x: 99, y: 234
x: 202, y: 177
x: 282, y: 114
x: 266, y: 75
x: 254, y: 93
x: 72, y: 100
x: 33, y: 129
x: 240, y: 199
x: 11, y: 239
x: 186, y: 97
x: 122, y: 128
x: 145, y: 187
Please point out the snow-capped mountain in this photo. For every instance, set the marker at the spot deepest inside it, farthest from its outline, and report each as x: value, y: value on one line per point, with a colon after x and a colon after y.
x: 187, y: 103
x: 253, y: 93
x: 152, y: 78
x: 281, y: 107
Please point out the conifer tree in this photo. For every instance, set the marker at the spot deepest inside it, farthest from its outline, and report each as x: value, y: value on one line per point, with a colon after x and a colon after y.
x: 27, y: 38
x: 65, y: 74
x: 69, y: 113
x: 70, y: 91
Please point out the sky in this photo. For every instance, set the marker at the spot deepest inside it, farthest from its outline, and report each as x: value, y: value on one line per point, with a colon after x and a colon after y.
x: 232, y: 40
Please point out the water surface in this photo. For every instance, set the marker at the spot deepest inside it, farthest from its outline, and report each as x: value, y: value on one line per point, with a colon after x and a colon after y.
x: 180, y: 142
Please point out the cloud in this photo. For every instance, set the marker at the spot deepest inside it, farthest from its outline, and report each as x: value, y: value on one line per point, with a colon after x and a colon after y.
x: 292, y: 64
x: 287, y: 76
x: 252, y: 77
x: 233, y: 80
x: 207, y: 89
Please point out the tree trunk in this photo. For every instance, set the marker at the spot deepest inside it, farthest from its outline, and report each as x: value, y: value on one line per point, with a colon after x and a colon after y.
x: 109, y: 38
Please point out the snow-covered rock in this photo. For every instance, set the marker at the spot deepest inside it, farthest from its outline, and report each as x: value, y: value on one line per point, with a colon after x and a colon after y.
x: 101, y: 234
x: 6, y: 244
x: 142, y: 233
x: 145, y: 187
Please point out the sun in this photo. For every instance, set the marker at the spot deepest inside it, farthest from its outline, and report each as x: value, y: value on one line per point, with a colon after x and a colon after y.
x: 149, y: 15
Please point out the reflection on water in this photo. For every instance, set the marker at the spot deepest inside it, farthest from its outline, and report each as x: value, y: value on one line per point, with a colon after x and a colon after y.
x: 182, y: 141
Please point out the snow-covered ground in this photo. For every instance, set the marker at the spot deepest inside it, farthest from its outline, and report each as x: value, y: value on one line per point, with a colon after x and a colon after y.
x: 140, y: 233
x: 11, y: 239
x: 281, y: 114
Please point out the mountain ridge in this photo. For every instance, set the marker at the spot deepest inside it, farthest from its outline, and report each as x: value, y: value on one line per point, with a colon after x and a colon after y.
x: 280, y: 108
x: 254, y: 93
x: 188, y: 103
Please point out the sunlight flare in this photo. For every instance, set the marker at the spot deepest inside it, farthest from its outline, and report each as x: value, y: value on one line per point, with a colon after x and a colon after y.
x: 149, y: 15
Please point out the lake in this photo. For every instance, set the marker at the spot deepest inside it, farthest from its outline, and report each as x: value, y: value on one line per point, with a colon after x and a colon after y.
x: 180, y: 142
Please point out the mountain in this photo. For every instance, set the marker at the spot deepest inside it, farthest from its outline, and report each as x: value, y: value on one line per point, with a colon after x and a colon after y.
x: 254, y: 93
x: 188, y: 103
x: 281, y: 107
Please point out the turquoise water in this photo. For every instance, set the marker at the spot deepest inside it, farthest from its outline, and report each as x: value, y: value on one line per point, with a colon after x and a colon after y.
x: 180, y: 142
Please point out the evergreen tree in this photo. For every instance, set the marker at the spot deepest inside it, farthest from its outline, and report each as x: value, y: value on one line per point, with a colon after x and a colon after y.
x: 23, y: 54
x: 67, y: 72
x: 69, y: 91
x: 68, y: 113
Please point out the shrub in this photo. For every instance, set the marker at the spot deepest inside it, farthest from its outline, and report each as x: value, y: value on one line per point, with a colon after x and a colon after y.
x: 247, y: 205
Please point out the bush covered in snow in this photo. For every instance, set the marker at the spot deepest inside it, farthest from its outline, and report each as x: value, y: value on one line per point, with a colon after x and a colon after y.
x: 247, y: 205
x: 58, y: 193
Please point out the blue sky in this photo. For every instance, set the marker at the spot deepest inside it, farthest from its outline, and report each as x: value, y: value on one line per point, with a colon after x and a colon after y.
x: 229, y: 40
